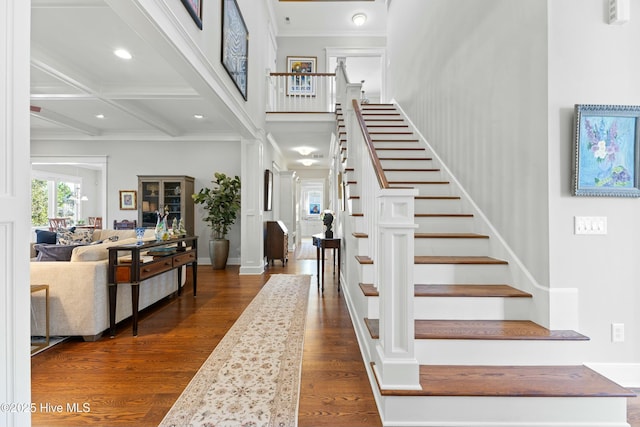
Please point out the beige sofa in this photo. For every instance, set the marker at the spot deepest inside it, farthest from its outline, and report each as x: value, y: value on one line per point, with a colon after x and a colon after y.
x: 78, y: 291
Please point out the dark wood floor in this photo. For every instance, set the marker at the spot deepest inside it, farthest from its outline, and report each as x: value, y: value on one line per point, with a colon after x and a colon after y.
x: 129, y: 381
x: 133, y: 381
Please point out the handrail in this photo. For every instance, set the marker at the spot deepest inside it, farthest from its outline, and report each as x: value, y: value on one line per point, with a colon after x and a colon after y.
x: 377, y: 166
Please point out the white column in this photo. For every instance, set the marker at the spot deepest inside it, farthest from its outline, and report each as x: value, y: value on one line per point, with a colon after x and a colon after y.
x: 251, y: 211
x: 396, y: 366
x: 15, y: 374
x: 288, y: 205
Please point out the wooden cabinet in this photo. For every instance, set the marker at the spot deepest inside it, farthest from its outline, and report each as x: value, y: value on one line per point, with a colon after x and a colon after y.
x: 276, y: 241
x: 155, y: 192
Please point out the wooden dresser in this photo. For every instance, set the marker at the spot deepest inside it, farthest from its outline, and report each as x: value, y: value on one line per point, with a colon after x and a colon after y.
x: 276, y: 242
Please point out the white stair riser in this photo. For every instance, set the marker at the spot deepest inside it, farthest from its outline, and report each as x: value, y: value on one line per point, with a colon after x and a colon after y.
x: 362, y: 246
x: 413, y: 175
x: 440, y: 224
x: 499, y: 352
x: 439, y: 189
x: 451, y: 274
x: 437, y: 206
x: 483, y: 411
x: 412, y: 163
x: 452, y: 246
x: 381, y: 115
x: 396, y: 129
x: 355, y: 205
x: 381, y: 142
x: 445, y: 308
x: 413, y: 154
x: 390, y: 122
x: 463, y: 308
x: 367, y: 273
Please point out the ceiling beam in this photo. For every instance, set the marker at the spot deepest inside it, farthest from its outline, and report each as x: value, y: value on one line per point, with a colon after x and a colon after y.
x: 59, y: 119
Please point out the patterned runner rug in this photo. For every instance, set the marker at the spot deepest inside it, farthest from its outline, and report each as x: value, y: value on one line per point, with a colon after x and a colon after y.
x: 252, y: 378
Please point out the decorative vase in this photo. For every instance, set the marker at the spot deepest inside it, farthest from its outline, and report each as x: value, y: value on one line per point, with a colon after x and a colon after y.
x: 218, y: 253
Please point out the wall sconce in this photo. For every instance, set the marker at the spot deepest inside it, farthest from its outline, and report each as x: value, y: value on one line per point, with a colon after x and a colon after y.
x: 359, y: 19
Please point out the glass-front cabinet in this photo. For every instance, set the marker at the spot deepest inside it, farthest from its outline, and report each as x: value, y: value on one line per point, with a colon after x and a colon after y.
x: 166, y: 192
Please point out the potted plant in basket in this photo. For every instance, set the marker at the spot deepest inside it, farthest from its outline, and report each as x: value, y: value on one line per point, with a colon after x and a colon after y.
x: 221, y: 205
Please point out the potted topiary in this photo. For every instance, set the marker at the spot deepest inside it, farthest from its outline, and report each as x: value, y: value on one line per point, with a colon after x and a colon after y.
x: 221, y: 205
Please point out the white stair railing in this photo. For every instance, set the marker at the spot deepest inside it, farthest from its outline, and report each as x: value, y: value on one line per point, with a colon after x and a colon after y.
x: 300, y: 92
x: 391, y: 228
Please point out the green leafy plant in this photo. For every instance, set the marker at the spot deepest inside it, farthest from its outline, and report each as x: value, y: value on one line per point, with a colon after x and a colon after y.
x: 221, y: 203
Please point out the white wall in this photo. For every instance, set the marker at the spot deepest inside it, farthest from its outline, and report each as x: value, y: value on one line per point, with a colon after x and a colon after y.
x: 591, y: 62
x: 472, y: 77
x: 128, y: 159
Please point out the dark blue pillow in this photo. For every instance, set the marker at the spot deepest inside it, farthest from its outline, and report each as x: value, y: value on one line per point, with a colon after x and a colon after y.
x: 55, y: 252
x: 46, y: 236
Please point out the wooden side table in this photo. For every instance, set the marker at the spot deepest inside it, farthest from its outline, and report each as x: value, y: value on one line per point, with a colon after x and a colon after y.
x: 45, y: 288
x: 321, y: 243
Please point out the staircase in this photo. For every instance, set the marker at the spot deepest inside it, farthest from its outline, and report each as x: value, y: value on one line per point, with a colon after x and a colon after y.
x: 483, y: 359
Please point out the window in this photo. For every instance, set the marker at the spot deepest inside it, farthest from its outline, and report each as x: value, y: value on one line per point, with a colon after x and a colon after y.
x: 54, y: 195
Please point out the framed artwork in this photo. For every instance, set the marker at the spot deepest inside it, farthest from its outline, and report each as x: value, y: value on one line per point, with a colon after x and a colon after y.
x: 606, y: 150
x: 235, y: 45
x: 302, y: 84
x: 194, y: 7
x: 128, y: 200
x: 268, y: 190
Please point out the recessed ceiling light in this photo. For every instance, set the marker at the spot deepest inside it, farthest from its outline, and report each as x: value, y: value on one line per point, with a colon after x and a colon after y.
x: 99, y: 116
x: 198, y: 116
x: 122, y: 53
x: 359, y: 19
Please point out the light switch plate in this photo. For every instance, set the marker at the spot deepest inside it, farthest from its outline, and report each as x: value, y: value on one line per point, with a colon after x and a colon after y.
x: 590, y: 225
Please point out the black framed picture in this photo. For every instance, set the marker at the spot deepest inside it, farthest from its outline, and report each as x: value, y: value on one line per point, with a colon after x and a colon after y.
x: 268, y: 190
x: 194, y: 7
x: 235, y: 45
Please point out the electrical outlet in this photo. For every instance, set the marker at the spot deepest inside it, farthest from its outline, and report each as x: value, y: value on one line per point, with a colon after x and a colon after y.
x: 590, y: 225
x: 617, y: 332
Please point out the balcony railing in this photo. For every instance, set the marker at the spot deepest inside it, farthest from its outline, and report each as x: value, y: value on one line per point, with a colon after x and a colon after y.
x: 301, y: 92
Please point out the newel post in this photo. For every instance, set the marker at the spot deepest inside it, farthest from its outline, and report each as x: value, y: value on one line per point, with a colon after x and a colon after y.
x: 396, y: 365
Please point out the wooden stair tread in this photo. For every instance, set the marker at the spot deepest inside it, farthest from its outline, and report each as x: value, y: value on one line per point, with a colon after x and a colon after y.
x: 411, y: 170
x: 437, y: 197
x: 444, y: 215
x: 456, y: 291
x: 362, y: 259
x: 484, y: 260
x: 400, y: 149
x: 450, y: 236
x: 405, y: 158
x: 479, y: 291
x: 514, y: 381
x: 518, y: 330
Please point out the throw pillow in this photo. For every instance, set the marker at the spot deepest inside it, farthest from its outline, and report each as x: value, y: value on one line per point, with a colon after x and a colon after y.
x: 68, y: 237
x: 46, y: 236
x: 54, y: 252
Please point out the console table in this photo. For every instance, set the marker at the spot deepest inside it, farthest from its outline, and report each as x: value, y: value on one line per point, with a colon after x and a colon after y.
x: 321, y: 243
x: 167, y: 255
